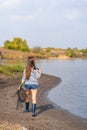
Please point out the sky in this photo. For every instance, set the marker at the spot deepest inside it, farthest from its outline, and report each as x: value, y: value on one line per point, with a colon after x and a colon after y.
x: 45, y: 23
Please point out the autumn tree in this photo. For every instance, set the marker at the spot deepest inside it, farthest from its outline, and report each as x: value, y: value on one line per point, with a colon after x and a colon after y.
x: 16, y: 44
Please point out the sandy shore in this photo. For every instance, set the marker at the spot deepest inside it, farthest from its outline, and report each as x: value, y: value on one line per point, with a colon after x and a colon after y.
x: 49, y: 116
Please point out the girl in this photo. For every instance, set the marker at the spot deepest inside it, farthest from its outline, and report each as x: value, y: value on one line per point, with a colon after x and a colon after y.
x: 30, y: 77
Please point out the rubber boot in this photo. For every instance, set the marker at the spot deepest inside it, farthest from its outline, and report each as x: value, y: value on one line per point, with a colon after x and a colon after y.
x: 27, y: 107
x: 33, y: 109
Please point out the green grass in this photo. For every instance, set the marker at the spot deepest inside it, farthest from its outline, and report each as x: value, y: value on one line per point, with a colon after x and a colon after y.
x: 11, y: 70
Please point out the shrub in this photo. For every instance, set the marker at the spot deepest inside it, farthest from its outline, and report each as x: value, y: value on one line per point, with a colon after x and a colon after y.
x: 16, y: 44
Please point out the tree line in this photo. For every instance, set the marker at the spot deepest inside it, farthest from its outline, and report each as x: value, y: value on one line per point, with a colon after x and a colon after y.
x: 76, y: 52
x: 19, y: 44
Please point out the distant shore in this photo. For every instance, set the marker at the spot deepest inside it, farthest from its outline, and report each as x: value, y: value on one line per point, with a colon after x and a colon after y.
x: 42, y: 53
x: 49, y: 116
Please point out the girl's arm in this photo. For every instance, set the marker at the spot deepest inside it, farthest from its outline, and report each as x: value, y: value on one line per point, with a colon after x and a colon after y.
x: 22, y: 81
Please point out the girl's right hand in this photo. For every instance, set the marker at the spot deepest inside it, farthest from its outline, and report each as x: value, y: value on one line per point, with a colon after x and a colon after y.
x: 40, y: 71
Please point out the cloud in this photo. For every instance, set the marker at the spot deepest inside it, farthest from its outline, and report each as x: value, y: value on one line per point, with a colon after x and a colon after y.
x: 49, y: 20
x: 72, y: 15
x: 9, y: 3
x: 19, y: 18
x: 84, y: 0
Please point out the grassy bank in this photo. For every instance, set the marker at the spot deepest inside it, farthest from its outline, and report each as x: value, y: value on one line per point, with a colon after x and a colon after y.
x: 11, y: 70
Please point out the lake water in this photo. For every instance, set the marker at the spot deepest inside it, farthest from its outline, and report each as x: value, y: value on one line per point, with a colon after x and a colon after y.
x: 71, y: 93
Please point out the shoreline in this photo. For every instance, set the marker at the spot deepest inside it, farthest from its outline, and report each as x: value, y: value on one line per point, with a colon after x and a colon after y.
x: 49, y: 115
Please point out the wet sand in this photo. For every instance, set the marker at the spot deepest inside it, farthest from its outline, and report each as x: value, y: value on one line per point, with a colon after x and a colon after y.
x: 49, y: 116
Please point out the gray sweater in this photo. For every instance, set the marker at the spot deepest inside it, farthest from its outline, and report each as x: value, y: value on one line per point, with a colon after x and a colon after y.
x: 33, y: 79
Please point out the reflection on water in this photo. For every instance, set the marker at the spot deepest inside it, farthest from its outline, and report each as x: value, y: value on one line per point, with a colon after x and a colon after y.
x: 71, y: 94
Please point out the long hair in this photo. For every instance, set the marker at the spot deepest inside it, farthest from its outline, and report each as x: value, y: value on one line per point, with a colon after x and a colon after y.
x: 30, y: 64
